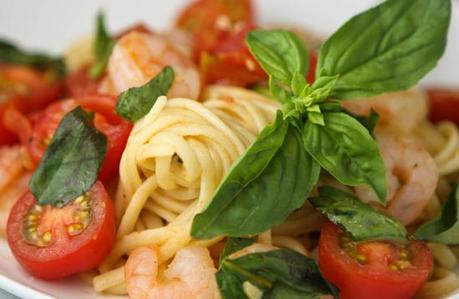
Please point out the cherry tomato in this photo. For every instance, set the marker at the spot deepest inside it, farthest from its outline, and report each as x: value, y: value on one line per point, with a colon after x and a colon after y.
x: 53, y: 243
x: 311, y: 76
x: 115, y: 128
x: 444, y: 104
x: 78, y: 83
x: 26, y: 90
x: 211, y: 21
x: 377, y: 270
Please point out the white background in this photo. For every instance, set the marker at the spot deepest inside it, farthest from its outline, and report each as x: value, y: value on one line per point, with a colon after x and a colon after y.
x: 53, y: 24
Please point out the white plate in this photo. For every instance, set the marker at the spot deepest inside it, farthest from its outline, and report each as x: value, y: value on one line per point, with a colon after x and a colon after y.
x: 52, y: 24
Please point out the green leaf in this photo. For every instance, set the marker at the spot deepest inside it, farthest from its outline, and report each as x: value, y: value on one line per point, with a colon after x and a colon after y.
x: 9, y: 53
x: 235, y: 244
x: 347, y: 151
x: 444, y: 229
x: 369, y: 122
x: 135, y: 102
x: 285, y: 269
x: 102, y: 48
x: 72, y: 161
x: 282, y: 291
x: 359, y: 219
x: 280, y: 53
x: 278, y: 92
x: 387, y: 48
x: 263, y: 187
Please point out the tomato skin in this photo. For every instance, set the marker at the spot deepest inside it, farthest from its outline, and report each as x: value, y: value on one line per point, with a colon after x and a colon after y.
x: 311, y: 76
x: 373, y: 280
x: 78, y: 83
x: 67, y: 255
x: 444, y: 104
x: 114, y: 127
x: 37, y: 92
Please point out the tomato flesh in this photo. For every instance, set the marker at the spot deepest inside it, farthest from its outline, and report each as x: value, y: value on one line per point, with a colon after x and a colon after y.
x: 379, y: 270
x: 116, y: 129
x: 444, y: 104
x: 52, y: 247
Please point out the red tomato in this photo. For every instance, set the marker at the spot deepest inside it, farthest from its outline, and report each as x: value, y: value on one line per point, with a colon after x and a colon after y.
x: 211, y: 21
x: 115, y: 128
x: 27, y: 90
x: 311, y: 76
x: 444, y: 104
x: 79, y: 83
x: 53, y: 243
x: 376, y: 270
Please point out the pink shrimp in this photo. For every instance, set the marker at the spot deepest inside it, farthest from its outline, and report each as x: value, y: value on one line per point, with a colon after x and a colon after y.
x: 190, y: 275
x: 137, y: 57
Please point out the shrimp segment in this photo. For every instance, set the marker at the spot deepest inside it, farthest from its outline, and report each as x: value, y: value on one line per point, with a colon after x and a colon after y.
x: 137, y: 57
x: 399, y: 111
x: 411, y: 175
x: 10, y: 164
x: 190, y: 275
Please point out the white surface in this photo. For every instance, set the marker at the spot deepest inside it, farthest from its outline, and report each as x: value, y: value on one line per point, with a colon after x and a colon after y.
x: 53, y: 24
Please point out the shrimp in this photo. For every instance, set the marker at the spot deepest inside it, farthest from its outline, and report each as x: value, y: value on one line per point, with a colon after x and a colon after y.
x: 400, y: 111
x: 190, y: 275
x: 137, y: 57
x: 411, y: 174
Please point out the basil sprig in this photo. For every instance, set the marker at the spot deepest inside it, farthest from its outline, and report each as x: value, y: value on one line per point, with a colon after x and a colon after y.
x: 102, y: 48
x: 387, y: 48
x: 359, y: 219
x: 444, y: 229
x: 72, y: 161
x: 281, y: 273
x: 135, y: 102
x: 9, y: 53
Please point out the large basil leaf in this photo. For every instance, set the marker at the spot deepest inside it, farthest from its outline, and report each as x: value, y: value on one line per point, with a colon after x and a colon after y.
x: 347, y: 151
x: 444, y: 229
x: 72, y: 161
x: 276, y: 272
x: 135, y: 102
x: 9, y: 53
x: 360, y: 220
x: 102, y: 48
x: 387, y: 48
x: 280, y: 52
x: 264, y: 186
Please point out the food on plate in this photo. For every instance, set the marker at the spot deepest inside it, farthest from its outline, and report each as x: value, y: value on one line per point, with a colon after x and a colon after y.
x: 225, y: 158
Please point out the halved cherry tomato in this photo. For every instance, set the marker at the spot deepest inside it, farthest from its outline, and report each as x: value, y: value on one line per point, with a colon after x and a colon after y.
x: 115, y: 128
x: 78, y: 83
x: 27, y: 90
x: 444, y: 104
x: 53, y: 243
x: 376, y: 270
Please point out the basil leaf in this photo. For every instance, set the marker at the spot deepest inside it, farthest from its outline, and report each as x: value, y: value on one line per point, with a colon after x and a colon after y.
x: 102, y: 49
x: 285, y: 269
x: 235, y: 244
x: 387, y: 48
x: 9, y: 53
x: 444, y: 229
x: 280, y: 53
x: 135, y: 102
x: 347, y: 151
x: 359, y: 219
x: 230, y: 285
x: 72, y: 161
x: 264, y: 186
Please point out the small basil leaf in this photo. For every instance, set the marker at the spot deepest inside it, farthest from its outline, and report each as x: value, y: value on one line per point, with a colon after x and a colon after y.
x: 280, y: 53
x: 135, y: 102
x: 9, y: 53
x: 72, y: 161
x: 252, y: 198
x: 102, y: 49
x: 347, y: 151
x: 444, y: 229
x: 282, y: 268
x: 235, y: 244
x: 281, y: 291
x: 387, y: 48
x: 278, y: 91
x: 360, y: 220
x: 230, y: 285
x: 298, y: 84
